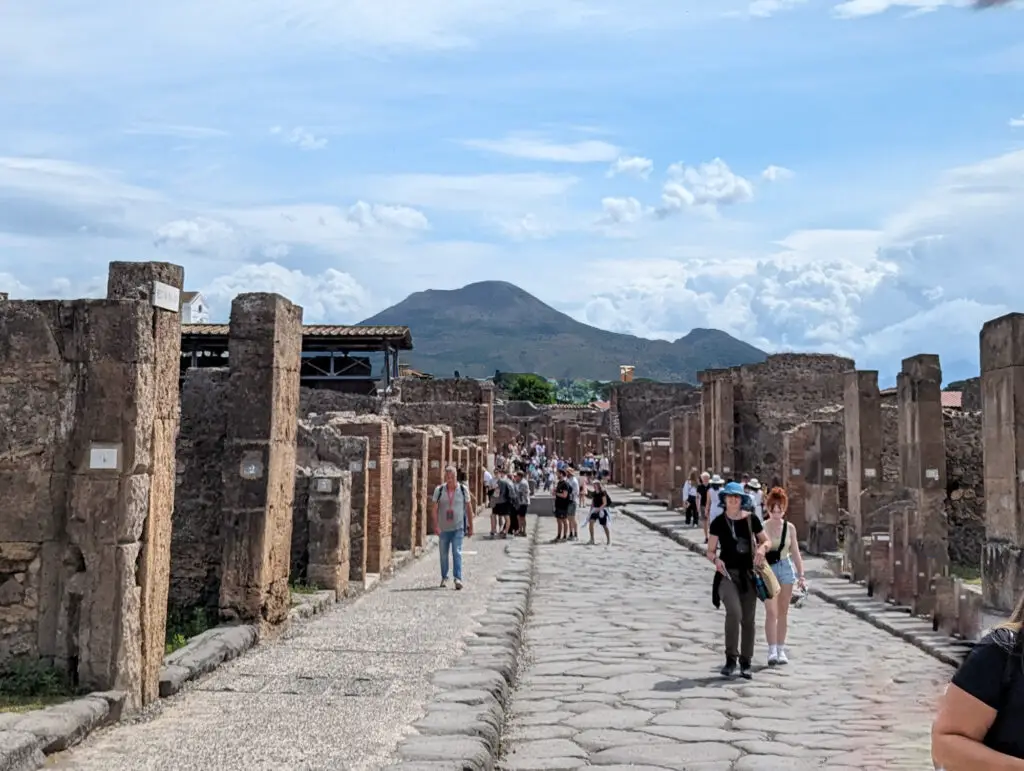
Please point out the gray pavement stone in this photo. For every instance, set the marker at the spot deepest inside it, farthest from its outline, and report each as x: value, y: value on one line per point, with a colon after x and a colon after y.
x: 622, y: 655
x: 339, y: 691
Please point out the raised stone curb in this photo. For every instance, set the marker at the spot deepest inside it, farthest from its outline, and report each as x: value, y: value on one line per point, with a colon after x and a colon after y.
x: 836, y: 591
x: 462, y: 728
x: 204, y: 653
x: 26, y: 739
x: 309, y: 605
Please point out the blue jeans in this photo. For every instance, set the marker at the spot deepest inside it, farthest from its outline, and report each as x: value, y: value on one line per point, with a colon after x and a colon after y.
x: 451, y: 539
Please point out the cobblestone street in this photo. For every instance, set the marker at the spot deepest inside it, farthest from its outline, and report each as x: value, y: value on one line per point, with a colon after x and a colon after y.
x: 623, y: 654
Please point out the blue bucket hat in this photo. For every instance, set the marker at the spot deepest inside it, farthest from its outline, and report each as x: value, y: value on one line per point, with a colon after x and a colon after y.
x: 733, y: 488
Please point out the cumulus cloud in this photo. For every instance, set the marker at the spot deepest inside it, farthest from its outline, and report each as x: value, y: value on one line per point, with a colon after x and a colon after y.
x: 776, y: 173
x: 197, y: 236
x: 621, y: 211
x: 854, y: 9
x: 1017, y: 122
x: 710, y: 185
x: 331, y: 297
x: 766, y: 8
x: 538, y: 148
x: 301, y: 138
x: 632, y: 165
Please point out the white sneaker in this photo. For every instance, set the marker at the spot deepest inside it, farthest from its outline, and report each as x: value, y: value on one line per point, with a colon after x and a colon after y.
x: 782, y: 658
x: 773, y: 656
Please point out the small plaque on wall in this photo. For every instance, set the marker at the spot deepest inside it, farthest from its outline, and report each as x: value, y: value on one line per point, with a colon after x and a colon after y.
x: 679, y: 468
x: 371, y: 464
x: 166, y: 297
x: 794, y: 472
x: 435, y: 464
x: 104, y: 457
x: 932, y: 473
x: 828, y: 472
x: 870, y: 473
x: 251, y: 466
x: 726, y: 469
x: 355, y: 467
x: 324, y: 485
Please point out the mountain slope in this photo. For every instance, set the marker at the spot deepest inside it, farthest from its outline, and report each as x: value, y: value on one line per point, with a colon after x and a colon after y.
x: 494, y: 325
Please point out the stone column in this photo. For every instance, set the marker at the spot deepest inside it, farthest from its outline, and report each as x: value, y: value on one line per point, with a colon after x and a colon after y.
x: 661, y: 469
x: 647, y: 467
x: 264, y: 352
x: 923, y: 469
x: 1002, y: 393
x: 823, y: 488
x: 706, y: 421
x: 678, y: 464
x: 414, y: 443
x: 157, y: 284
x: 797, y: 445
x: 328, y: 519
x: 862, y: 420
x: 404, y: 502
x: 637, y: 482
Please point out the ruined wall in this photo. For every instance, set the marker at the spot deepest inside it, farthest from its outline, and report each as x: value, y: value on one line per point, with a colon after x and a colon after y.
x: 196, y: 526
x: 776, y: 395
x: 442, y: 390
x: 638, y: 403
x: 965, y: 487
x: 971, y: 395
x: 321, y: 400
x: 413, y: 443
x: 463, y: 417
x: 890, y: 442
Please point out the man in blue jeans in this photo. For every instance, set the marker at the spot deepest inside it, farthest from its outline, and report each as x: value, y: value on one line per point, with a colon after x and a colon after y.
x: 453, y: 520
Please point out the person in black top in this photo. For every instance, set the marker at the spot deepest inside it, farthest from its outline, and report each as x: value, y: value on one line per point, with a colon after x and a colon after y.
x: 743, y: 543
x: 980, y: 722
x: 600, y: 501
x: 563, y: 500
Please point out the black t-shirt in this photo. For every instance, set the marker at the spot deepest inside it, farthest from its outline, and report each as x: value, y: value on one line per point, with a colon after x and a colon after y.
x: 702, y: 493
x: 984, y: 676
x: 562, y: 504
x: 599, y: 500
x: 736, y: 551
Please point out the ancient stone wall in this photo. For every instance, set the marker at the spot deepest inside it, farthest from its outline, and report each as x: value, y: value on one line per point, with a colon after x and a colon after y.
x: 196, y: 543
x: 88, y: 416
x: 321, y: 541
x: 441, y: 390
x: 321, y: 400
x: 406, y: 498
x: 776, y: 395
x: 638, y: 403
x: 414, y: 444
x: 463, y: 417
x: 965, y: 484
x: 970, y: 399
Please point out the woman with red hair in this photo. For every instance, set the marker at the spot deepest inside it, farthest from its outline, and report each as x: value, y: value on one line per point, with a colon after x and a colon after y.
x: 788, y: 566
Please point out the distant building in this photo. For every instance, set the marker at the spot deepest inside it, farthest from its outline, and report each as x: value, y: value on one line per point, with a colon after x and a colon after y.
x: 194, y: 309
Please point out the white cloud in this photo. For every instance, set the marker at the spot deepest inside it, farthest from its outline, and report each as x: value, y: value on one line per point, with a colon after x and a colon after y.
x: 776, y: 173
x: 1017, y: 122
x: 332, y: 297
x: 853, y: 9
x: 766, y: 8
x: 621, y: 211
x: 301, y: 138
x: 632, y: 165
x: 537, y: 148
x: 710, y: 185
x: 367, y: 215
x: 198, y: 236
x: 175, y: 130
x: 506, y: 194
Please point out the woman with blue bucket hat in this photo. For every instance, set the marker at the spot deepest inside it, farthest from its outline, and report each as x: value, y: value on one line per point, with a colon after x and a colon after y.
x: 743, y: 545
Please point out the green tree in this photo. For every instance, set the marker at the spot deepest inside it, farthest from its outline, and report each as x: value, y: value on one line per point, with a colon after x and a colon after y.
x: 530, y: 388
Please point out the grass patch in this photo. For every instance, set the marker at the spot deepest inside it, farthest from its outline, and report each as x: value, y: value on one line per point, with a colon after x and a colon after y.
x: 301, y: 587
x: 27, y: 684
x: 182, y: 626
x: 966, y: 574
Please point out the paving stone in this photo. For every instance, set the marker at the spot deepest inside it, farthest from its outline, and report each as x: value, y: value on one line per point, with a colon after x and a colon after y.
x: 629, y: 673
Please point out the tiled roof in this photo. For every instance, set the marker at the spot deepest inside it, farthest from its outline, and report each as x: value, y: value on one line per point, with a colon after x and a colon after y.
x: 952, y: 399
x: 310, y: 330
x: 187, y: 297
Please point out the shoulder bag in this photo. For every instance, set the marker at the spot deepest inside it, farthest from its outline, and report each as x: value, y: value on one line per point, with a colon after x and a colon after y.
x: 765, y: 583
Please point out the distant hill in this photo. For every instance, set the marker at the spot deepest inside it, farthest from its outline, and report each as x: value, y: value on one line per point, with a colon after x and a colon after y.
x: 494, y: 325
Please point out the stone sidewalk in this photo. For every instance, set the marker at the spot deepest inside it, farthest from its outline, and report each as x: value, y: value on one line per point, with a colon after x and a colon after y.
x: 337, y: 692
x: 623, y: 654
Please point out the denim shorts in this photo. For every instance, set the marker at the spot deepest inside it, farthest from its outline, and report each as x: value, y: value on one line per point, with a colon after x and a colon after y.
x: 783, y: 570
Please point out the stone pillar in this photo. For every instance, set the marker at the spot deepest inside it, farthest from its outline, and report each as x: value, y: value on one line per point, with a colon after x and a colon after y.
x: 264, y: 351
x: 797, y: 445
x: 1002, y: 393
x: 405, y: 497
x: 485, y: 421
x: 573, y: 449
x: 923, y: 468
x: 415, y: 444
x: 862, y: 421
x: 637, y: 482
x: 706, y: 419
x: 329, y: 516
x: 718, y: 421
x: 822, y: 482
x: 678, y: 460
x: 661, y: 469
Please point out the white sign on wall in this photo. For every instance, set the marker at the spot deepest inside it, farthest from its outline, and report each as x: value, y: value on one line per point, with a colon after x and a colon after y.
x: 794, y: 472
x: 435, y: 464
x: 323, y: 485
x: 828, y: 472
x: 870, y: 473
x: 371, y: 464
x: 932, y: 473
x: 355, y: 467
x: 166, y: 296
x: 103, y: 457
x: 726, y: 469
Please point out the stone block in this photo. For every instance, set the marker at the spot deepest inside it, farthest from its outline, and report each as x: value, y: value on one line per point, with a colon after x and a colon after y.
x: 328, y: 520
x: 1002, y: 343
x: 405, y: 501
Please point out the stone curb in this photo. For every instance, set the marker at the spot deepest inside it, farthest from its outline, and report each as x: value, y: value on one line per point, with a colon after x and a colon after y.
x: 26, y: 739
x: 896, y: 621
x: 463, y: 725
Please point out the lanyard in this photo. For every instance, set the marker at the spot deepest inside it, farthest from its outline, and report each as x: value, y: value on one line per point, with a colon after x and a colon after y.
x: 451, y: 503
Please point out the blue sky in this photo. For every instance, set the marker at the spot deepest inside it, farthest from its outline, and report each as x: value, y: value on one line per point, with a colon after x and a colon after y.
x: 805, y: 174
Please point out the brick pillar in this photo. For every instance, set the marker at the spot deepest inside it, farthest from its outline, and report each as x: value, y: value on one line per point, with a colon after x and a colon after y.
x: 923, y: 469
x: 822, y: 482
x: 329, y: 516
x: 135, y: 281
x: 862, y: 411
x: 359, y: 515
x: 404, y: 502
x: 797, y: 443
x: 1002, y: 387
x: 259, y: 464
x: 436, y: 462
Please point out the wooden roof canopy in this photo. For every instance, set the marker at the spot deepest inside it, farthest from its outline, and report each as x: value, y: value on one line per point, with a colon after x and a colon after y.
x: 315, y: 337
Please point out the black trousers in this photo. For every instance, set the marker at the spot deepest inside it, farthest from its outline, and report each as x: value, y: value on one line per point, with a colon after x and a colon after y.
x: 691, y: 511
